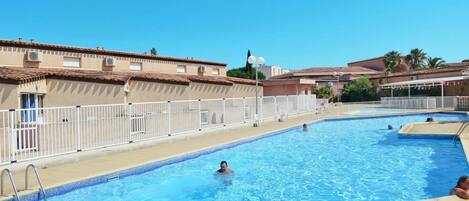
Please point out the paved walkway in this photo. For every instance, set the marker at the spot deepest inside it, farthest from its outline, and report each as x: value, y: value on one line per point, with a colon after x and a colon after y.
x: 103, y: 161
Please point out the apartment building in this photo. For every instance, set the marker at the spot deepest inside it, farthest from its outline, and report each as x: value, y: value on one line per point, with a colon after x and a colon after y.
x: 269, y: 71
x: 43, y: 75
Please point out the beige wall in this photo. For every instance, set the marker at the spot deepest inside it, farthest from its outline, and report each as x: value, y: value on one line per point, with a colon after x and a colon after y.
x: 69, y: 93
x: 244, y: 90
x: 141, y: 91
x: 208, y: 91
x: 13, y: 56
x: 287, y: 89
x: 8, y: 96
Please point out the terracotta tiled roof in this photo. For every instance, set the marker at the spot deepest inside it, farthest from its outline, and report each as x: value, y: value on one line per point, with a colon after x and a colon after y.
x: 449, y: 68
x: 349, y: 69
x: 19, y: 75
x: 370, y: 59
x: 16, y: 75
x: 45, y: 46
x: 209, y: 79
x: 242, y: 81
x: 159, y: 77
x: 326, y: 71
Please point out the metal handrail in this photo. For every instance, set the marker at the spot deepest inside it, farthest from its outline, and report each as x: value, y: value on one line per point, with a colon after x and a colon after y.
x: 7, y: 171
x: 41, y: 188
x: 460, y: 131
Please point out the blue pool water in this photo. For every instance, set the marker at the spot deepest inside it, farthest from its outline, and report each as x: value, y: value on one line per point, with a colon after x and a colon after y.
x: 367, y: 111
x: 334, y: 160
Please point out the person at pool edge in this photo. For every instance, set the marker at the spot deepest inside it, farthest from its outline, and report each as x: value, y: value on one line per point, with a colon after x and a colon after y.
x: 461, y: 188
x: 224, y: 169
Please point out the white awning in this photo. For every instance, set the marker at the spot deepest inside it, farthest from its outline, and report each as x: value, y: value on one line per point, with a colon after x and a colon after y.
x: 423, y: 82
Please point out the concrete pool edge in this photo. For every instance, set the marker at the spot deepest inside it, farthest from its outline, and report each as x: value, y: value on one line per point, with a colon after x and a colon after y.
x: 91, y: 180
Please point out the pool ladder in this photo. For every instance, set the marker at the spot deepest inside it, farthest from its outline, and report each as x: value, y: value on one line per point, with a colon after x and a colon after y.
x: 460, y: 131
x: 26, y: 182
x: 15, y: 190
x: 41, y: 188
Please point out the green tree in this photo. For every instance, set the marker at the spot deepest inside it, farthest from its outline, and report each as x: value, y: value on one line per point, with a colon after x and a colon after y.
x: 153, y: 51
x: 416, y: 58
x: 392, y: 60
x: 360, y: 89
x: 242, y: 73
x: 248, y: 66
x: 435, y: 62
x: 324, y: 92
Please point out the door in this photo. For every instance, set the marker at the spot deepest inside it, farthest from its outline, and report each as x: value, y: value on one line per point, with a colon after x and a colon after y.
x: 26, y: 129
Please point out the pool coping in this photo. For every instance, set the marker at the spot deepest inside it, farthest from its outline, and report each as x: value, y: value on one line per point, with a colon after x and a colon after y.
x: 69, y: 186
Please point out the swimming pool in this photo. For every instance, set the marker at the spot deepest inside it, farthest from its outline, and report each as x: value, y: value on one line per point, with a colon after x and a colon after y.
x: 370, y: 111
x: 355, y: 159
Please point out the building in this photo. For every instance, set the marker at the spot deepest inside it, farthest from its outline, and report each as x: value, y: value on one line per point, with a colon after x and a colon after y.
x: 270, y: 71
x: 319, y: 77
x: 42, y: 75
x: 338, y: 77
x: 453, y: 88
x: 377, y: 64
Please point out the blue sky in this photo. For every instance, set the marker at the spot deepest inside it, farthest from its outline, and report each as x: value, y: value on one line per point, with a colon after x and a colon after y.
x: 294, y: 34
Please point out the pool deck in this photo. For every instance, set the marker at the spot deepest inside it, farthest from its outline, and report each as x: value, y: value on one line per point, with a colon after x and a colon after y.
x: 70, y: 168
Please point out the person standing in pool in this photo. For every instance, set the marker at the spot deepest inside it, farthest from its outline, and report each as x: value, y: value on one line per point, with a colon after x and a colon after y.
x: 224, y: 169
x: 461, y: 188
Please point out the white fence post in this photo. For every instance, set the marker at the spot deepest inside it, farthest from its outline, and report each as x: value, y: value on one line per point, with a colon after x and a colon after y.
x: 224, y: 111
x: 169, y: 117
x: 276, y: 105
x: 78, y: 127
x: 200, y: 115
x: 244, y: 109
x: 13, y: 136
x: 130, y: 122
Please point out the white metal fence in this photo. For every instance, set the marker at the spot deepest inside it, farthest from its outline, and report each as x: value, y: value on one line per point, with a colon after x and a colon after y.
x: 462, y: 103
x: 445, y: 101
x: 412, y: 103
x: 27, y: 134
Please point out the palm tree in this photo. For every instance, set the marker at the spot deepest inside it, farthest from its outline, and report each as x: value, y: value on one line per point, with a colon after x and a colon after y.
x: 392, y: 60
x: 416, y: 58
x: 435, y: 62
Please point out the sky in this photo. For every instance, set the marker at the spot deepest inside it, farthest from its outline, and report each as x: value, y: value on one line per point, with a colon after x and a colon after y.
x: 293, y: 34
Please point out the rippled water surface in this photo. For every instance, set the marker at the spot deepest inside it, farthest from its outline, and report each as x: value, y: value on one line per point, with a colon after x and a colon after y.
x: 334, y: 160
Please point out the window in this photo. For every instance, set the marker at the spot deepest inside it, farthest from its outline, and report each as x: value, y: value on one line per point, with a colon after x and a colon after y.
x: 413, y: 77
x: 135, y: 66
x: 72, y: 62
x: 29, y: 104
x: 181, y: 69
x: 215, y: 71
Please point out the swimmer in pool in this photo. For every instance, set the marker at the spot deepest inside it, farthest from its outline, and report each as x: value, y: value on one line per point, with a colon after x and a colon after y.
x: 224, y: 169
x: 390, y: 127
x: 461, y: 188
x: 305, y: 127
